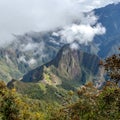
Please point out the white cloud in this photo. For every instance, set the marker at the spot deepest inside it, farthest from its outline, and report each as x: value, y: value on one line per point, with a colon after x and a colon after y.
x: 89, y: 5
x: 20, y: 16
x: 22, y: 59
x: 74, y: 46
x: 30, y: 46
x: 32, y: 61
x: 83, y: 32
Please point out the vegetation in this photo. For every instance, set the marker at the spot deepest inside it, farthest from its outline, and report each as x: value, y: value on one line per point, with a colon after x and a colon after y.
x: 14, y: 106
x: 97, y: 104
x: 93, y: 104
x: 39, y: 101
x: 112, y: 66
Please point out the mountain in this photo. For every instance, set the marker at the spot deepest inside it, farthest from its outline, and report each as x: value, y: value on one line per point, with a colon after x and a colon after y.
x: 34, y: 49
x: 27, y: 52
x: 108, y: 43
x: 69, y: 66
x: 59, y: 81
x: 109, y: 16
x: 54, y: 81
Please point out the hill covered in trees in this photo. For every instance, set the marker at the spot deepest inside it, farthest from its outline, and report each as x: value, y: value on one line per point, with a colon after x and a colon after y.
x: 92, y: 104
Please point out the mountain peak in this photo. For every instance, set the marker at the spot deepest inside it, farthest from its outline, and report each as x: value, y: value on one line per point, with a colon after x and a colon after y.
x: 68, y: 65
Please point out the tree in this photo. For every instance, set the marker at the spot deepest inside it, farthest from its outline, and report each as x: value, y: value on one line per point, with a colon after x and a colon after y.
x: 13, y: 106
x: 112, y: 66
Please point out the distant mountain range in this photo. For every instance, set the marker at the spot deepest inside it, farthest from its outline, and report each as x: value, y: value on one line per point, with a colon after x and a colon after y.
x: 109, y: 43
x: 35, y: 49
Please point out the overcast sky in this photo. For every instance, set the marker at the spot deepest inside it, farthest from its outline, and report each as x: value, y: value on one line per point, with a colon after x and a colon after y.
x: 20, y: 16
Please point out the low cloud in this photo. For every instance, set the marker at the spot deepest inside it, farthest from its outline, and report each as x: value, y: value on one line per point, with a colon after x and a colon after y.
x: 30, y: 46
x: 81, y: 33
x: 22, y: 59
x: 84, y: 32
x: 32, y: 61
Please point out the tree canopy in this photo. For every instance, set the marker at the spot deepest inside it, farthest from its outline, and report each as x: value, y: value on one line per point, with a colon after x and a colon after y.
x: 112, y: 66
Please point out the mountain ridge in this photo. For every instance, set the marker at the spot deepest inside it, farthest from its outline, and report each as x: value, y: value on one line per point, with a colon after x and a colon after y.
x: 67, y: 65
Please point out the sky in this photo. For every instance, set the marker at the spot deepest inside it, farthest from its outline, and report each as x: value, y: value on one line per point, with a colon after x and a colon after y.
x: 21, y: 16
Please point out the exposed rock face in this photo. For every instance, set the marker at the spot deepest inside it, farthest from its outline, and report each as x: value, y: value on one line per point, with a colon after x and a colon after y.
x: 69, y: 64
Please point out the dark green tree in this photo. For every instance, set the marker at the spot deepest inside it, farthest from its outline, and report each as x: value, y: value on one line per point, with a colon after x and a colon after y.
x: 112, y: 66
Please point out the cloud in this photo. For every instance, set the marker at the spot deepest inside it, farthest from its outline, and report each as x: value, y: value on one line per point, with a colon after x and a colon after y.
x: 32, y: 61
x: 30, y: 46
x: 20, y: 16
x: 81, y: 33
x: 22, y: 59
x: 88, y: 5
x: 84, y: 32
x: 74, y: 46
